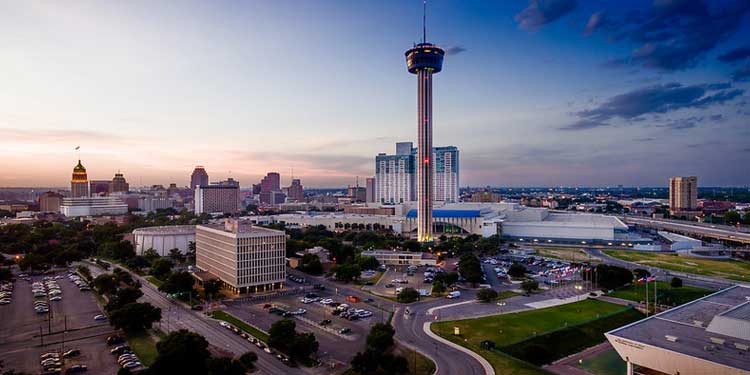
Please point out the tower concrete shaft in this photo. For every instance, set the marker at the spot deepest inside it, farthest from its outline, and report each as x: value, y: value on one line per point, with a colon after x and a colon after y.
x: 424, y: 155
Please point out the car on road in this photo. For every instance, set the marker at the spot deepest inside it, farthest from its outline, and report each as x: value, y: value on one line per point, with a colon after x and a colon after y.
x: 71, y: 353
x: 119, y: 349
x: 389, y: 285
x: 49, y: 355
x: 325, y: 322
x: 100, y: 317
x: 299, y: 311
x: 114, y: 339
x: 132, y: 365
x: 56, y: 298
x: 344, y: 331
x: 267, y: 350
x: 224, y: 324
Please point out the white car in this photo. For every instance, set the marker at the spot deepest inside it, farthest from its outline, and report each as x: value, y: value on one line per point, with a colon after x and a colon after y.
x: 56, y: 298
x: 100, y: 317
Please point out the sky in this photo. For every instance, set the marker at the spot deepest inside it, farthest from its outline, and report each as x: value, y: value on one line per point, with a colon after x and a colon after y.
x: 533, y: 93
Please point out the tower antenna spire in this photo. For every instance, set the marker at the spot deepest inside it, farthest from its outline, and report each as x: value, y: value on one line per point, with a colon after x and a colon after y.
x: 424, y: 21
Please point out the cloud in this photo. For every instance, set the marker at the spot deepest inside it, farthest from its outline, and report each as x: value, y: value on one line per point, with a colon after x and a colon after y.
x: 597, y: 21
x: 542, y: 12
x: 634, y: 105
x: 454, y: 50
x: 742, y: 74
x: 740, y: 53
x: 675, y: 35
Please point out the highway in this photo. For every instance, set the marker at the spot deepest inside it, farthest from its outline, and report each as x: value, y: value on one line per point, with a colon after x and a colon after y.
x: 720, y: 232
x: 175, y: 317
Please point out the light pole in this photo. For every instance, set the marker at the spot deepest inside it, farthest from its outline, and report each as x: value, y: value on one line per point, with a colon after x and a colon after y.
x: 500, y: 305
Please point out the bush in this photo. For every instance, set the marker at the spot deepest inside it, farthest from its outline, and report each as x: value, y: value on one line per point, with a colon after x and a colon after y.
x: 486, y: 295
x: 248, y: 360
x: 676, y: 282
x: 517, y: 270
x: 529, y: 285
x: 408, y: 295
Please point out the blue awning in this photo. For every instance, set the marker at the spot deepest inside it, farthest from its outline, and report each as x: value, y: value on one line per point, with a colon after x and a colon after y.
x: 448, y: 214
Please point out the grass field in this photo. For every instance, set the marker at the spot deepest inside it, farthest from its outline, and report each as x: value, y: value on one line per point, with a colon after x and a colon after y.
x: 728, y: 269
x: 231, y: 319
x: 418, y: 364
x: 144, y: 347
x: 605, y: 363
x: 666, y: 295
x: 511, y: 328
x: 565, y: 253
x: 157, y: 283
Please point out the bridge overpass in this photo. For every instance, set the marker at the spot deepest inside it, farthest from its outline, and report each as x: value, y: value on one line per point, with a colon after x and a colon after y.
x: 728, y: 234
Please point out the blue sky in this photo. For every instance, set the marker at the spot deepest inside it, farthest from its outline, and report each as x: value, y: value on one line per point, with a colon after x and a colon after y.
x: 556, y: 92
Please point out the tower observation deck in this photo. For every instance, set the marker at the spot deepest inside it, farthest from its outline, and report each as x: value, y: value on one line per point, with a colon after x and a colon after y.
x: 424, y: 59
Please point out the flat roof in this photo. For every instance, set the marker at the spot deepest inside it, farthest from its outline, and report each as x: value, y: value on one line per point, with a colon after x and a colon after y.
x: 244, y: 230
x: 574, y: 221
x: 166, y: 229
x: 689, y: 324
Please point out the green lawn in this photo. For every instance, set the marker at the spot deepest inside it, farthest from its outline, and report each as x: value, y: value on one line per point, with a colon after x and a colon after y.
x: 565, y: 253
x: 666, y: 295
x: 728, y: 269
x: 511, y: 328
x: 144, y: 347
x: 157, y: 283
x: 605, y: 363
x: 418, y: 363
x: 231, y: 319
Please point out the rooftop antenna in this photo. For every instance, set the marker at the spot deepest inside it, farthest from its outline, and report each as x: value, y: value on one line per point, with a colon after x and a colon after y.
x: 424, y: 21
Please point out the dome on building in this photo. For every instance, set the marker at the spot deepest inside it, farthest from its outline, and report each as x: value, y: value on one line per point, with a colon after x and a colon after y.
x: 79, y: 167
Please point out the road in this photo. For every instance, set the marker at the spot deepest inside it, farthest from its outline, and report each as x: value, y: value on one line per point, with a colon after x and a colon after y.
x: 720, y: 232
x: 175, y: 317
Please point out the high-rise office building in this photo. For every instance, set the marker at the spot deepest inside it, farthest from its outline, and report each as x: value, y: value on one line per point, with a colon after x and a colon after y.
x: 370, y: 186
x: 199, y: 177
x: 246, y: 258
x: 99, y: 188
x: 79, y: 183
x: 119, y: 184
x: 424, y: 60
x: 217, y: 198
x: 446, y: 173
x: 683, y: 195
x: 271, y: 182
x: 395, y: 178
x: 295, y: 192
x: 395, y: 175
x: 357, y: 193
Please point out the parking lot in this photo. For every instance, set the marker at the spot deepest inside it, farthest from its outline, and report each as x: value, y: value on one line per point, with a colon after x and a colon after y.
x: 399, y: 277
x: 25, y: 334
x: 339, y: 339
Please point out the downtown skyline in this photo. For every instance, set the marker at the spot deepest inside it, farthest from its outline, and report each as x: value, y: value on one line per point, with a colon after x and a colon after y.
x: 544, y: 94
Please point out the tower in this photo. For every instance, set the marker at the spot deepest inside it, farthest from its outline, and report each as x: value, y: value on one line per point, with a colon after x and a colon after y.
x: 424, y: 60
x: 199, y: 177
x: 79, y: 183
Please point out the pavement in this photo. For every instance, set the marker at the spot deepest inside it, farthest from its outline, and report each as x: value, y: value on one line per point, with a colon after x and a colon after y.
x: 176, y: 316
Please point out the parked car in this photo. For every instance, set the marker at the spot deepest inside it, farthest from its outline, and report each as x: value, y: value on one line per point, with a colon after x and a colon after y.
x: 76, y: 369
x: 71, y: 353
x: 100, y: 317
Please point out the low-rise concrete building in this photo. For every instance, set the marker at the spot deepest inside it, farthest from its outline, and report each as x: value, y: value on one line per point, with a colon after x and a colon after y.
x: 401, y: 258
x: 246, y: 258
x: 92, y: 206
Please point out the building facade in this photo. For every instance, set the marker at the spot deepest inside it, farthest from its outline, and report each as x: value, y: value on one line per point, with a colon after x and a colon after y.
x: 99, y: 188
x: 217, y: 198
x: 246, y: 258
x: 295, y: 192
x: 683, y: 195
x: 370, y: 186
x: 119, y: 184
x: 79, y: 182
x: 164, y: 238
x: 199, y: 177
x: 446, y: 174
x: 401, y: 258
x: 92, y: 206
x: 50, y: 202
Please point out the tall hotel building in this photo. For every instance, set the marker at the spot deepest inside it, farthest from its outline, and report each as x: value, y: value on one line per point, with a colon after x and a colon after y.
x: 79, y: 183
x: 395, y: 175
x: 683, y: 195
x: 246, y: 258
x: 217, y: 198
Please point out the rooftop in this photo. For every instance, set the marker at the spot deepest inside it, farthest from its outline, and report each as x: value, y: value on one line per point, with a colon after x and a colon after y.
x: 167, y: 229
x: 448, y: 213
x: 694, y: 328
x: 242, y: 229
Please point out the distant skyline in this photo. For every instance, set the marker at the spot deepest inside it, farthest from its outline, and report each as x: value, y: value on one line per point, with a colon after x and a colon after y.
x: 533, y: 93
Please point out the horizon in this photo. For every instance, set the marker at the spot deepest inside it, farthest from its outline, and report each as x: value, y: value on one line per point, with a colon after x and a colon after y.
x: 579, y: 95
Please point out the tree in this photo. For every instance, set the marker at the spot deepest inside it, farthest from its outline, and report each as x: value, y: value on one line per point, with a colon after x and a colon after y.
x: 380, y: 338
x: 135, y: 317
x: 612, y: 277
x: 175, y: 254
x: 5, y: 274
x: 412, y: 246
x: 732, y: 217
x: 84, y: 272
x: 181, y: 352
x: 123, y: 371
x: 123, y: 297
x: 408, y: 295
x: 211, y: 288
x: 486, y: 295
x: 366, y: 362
x: 137, y: 262
x: 160, y: 268
x: 303, y: 345
x: 178, y: 282
x: 281, y: 333
x: 248, y: 360
x: 33, y: 261
x: 639, y: 273
x: 448, y: 278
x: 438, y: 287
x: 368, y: 262
x: 225, y: 366
x: 676, y: 282
x: 470, y: 268
x: 529, y: 285
x: 347, y: 272
x: 517, y: 270
x: 104, y: 284
x: 151, y: 254
x: 311, y: 264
